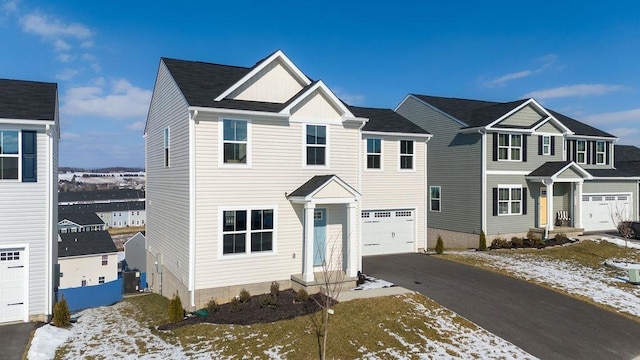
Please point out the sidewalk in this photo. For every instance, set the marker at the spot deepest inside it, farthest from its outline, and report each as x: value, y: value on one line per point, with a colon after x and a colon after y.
x: 347, y: 295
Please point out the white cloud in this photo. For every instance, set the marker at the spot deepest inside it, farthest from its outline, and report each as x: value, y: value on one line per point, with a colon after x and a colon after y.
x: 574, y: 91
x: 123, y: 101
x: 349, y: 98
x: 65, y: 57
x: 546, y: 62
x: 615, y: 117
x: 61, y: 45
x: 627, y: 135
x: 67, y: 74
x: 69, y: 136
x: 53, y: 28
x: 136, y: 126
x: 10, y: 6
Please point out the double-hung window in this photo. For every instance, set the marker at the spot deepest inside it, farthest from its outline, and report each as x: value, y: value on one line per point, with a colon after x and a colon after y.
x: 601, y: 147
x: 316, y: 144
x: 510, y: 147
x: 546, y: 145
x: 434, y: 198
x: 509, y: 200
x: 374, y: 154
x: 105, y: 260
x: 581, y: 151
x: 247, y: 231
x: 406, y: 154
x: 9, y: 154
x: 166, y: 147
x: 235, y: 141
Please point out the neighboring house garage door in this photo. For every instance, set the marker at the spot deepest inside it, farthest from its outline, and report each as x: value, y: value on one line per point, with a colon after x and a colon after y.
x: 387, y: 231
x: 600, y: 210
x: 12, y: 285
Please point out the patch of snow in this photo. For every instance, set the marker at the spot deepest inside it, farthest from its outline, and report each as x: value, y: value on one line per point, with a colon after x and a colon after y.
x: 621, y: 264
x: 373, y: 283
x: 622, y: 242
x: 45, y: 342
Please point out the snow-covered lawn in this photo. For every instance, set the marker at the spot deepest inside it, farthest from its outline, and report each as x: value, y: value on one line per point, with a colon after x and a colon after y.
x: 423, y: 330
x: 603, y: 285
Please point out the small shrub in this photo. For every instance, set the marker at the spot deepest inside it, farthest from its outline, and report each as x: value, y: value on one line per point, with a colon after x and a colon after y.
x: 499, y: 243
x: 439, y: 245
x: 212, y: 306
x: 275, y: 289
x: 175, y: 311
x: 516, y: 242
x: 534, y: 239
x: 61, y: 314
x: 302, y: 295
x: 482, y: 243
x: 267, y: 301
x: 244, y: 296
x: 235, y: 305
x: 561, y: 238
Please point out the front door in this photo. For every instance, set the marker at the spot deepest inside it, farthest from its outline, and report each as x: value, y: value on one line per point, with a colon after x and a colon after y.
x: 543, y: 207
x: 319, y: 236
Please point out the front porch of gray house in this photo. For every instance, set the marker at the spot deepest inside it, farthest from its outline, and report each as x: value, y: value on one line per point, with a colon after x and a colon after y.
x: 330, y: 241
x: 557, y: 189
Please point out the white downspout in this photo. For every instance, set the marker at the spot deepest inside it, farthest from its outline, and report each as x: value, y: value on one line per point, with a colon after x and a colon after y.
x: 192, y: 207
x: 49, y: 243
x: 483, y: 202
x: 426, y: 196
x: 358, y: 218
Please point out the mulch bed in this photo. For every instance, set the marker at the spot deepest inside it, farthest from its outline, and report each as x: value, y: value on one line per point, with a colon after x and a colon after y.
x: 251, y: 312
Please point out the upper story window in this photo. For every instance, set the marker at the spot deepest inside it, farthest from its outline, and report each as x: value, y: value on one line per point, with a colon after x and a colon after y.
x: 235, y: 141
x: 316, y: 144
x: 374, y: 154
x: 105, y: 260
x: 581, y: 151
x: 546, y: 145
x: 166, y: 147
x: 509, y: 200
x: 434, y: 196
x: 601, y: 150
x: 9, y: 154
x: 406, y: 154
x: 510, y: 147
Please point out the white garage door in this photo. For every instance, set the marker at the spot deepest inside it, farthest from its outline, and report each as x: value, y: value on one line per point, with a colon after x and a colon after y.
x: 12, y: 282
x: 600, y: 210
x: 387, y: 231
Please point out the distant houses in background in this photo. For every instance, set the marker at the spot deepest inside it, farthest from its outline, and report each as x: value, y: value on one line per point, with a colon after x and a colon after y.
x: 95, y: 180
x: 116, y: 208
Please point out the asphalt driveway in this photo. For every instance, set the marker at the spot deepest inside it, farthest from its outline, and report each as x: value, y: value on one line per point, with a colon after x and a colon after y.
x: 540, y: 321
x: 14, y: 339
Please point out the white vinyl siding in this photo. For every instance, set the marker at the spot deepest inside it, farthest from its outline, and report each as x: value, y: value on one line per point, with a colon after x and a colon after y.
x: 88, y: 268
x: 273, y: 84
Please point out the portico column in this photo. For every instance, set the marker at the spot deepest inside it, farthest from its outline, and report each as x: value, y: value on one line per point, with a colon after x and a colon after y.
x: 352, y: 240
x: 550, y: 218
x: 307, y: 273
x: 578, y: 212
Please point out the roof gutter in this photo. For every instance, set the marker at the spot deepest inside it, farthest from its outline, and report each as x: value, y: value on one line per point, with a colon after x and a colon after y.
x: 426, y: 136
x: 236, y: 112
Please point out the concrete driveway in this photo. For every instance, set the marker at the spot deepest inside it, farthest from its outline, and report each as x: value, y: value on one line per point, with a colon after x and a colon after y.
x: 542, y: 322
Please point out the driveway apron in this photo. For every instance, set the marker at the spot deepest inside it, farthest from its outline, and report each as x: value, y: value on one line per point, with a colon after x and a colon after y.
x: 542, y: 322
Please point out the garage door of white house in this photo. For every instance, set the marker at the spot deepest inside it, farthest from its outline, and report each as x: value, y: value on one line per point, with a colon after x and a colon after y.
x: 12, y: 285
x: 388, y: 231
x: 602, y: 211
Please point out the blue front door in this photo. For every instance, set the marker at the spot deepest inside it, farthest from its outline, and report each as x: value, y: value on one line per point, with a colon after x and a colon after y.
x: 319, y: 236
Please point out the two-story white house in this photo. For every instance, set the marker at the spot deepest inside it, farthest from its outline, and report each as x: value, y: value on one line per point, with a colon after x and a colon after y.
x: 29, y: 133
x: 260, y: 174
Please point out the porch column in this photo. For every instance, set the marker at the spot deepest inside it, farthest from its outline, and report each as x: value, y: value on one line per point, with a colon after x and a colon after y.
x: 550, y: 218
x: 578, y: 212
x: 307, y: 272
x: 352, y: 240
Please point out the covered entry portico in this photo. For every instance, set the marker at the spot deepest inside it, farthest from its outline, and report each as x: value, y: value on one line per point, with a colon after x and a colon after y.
x: 560, y: 193
x: 330, y: 221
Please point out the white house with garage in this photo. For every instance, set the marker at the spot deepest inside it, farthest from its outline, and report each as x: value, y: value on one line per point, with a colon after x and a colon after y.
x: 29, y: 133
x: 260, y: 174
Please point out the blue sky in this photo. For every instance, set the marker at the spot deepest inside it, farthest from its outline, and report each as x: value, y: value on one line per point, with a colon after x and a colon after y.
x: 577, y: 57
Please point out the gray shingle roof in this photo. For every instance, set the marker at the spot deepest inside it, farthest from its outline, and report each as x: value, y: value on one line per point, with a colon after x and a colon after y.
x: 311, y: 185
x: 386, y: 120
x: 102, y: 207
x: 549, y: 168
x: 610, y: 173
x: 100, y: 195
x: 626, y: 153
x: 85, y: 243
x: 81, y: 218
x: 478, y: 113
x: 27, y: 100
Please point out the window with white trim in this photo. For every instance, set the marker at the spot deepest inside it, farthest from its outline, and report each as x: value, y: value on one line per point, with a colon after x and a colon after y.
x: 241, y: 235
x: 434, y: 198
x: 406, y: 154
x: 316, y: 144
x: 105, y: 260
x: 166, y: 147
x: 601, y: 150
x: 581, y: 151
x: 510, y: 147
x: 509, y: 200
x: 235, y: 141
x: 546, y: 145
x: 9, y: 154
x: 374, y: 153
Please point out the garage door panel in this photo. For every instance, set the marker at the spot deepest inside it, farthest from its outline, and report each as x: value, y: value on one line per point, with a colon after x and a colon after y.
x: 601, y: 211
x: 387, y: 231
x: 12, y: 283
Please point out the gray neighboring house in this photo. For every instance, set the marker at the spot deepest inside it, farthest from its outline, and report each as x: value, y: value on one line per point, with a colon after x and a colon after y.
x: 117, y: 208
x: 78, y: 222
x: 508, y: 168
x: 135, y: 253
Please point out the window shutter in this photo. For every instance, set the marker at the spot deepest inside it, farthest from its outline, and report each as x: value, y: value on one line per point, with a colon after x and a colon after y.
x: 540, y: 144
x: 495, y: 146
x: 524, y: 147
x: 593, y: 152
x: 495, y: 201
x: 574, y: 146
x: 29, y: 156
x: 524, y: 201
x: 553, y: 145
x: 607, y: 153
